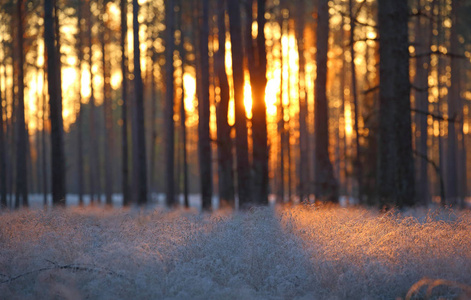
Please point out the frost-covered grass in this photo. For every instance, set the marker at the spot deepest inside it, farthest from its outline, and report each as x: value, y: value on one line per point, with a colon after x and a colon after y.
x: 265, y: 253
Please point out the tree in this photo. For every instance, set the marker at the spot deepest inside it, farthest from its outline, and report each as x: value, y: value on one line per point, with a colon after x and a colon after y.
x: 141, y: 192
x: 22, y: 135
x: 124, y: 97
x: 3, y: 165
x: 395, y: 166
x: 325, y: 184
x: 80, y: 108
x: 258, y: 80
x: 225, y: 158
x: 243, y: 166
x: 55, y: 106
x: 204, y: 139
x: 169, y: 98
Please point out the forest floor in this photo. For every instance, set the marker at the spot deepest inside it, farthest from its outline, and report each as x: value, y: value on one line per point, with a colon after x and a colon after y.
x: 300, y: 252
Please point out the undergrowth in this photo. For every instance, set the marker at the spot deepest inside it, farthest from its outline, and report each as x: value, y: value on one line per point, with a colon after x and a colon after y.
x: 301, y: 252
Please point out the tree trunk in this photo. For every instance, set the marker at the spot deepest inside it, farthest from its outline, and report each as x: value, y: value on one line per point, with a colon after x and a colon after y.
x: 3, y: 165
x: 395, y: 167
x: 325, y: 183
x: 55, y: 105
x: 225, y: 158
x: 356, y: 112
x: 243, y: 165
x: 452, y: 197
x: 138, y: 91
x: 303, y: 110
x: 43, y: 145
x: 80, y: 111
x: 169, y: 100
x: 422, y: 46
x: 21, y: 193
x: 124, y: 96
x: 108, y: 117
x: 258, y: 80
x: 204, y: 143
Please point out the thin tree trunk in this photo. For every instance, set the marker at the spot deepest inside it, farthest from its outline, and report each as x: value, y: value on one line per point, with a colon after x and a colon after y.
x: 107, y: 110
x: 138, y: 91
x: 21, y: 193
x: 243, y: 165
x: 356, y: 110
x: 453, y: 103
x: 169, y: 100
x: 325, y: 183
x: 225, y: 158
x: 303, y: 110
x: 43, y: 144
x: 281, y: 121
x: 80, y: 111
x: 3, y: 165
x: 124, y: 96
x: 94, y: 159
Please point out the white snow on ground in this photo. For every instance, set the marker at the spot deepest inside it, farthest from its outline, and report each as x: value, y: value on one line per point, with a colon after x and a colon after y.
x: 265, y: 253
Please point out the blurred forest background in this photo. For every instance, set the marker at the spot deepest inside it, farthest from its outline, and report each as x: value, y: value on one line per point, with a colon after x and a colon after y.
x: 266, y: 100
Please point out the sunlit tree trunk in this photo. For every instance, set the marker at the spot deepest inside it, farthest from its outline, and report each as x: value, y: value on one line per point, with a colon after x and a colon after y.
x: 303, y: 110
x: 169, y: 102
x: 124, y: 105
x: 204, y: 143
x: 139, y: 106
x: 80, y: 163
x: 422, y: 63
x: 43, y: 144
x: 281, y: 121
x: 21, y: 193
x: 453, y: 103
x: 225, y: 158
x: 326, y: 188
x: 356, y: 112
x: 243, y: 165
x: 395, y: 167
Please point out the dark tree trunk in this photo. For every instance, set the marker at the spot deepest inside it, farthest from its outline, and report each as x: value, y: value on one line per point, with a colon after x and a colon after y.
x: 55, y: 105
x: 204, y: 143
x: 452, y: 196
x: 395, y: 167
x: 243, y: 165
x: 281, y: 121
x: 138, y: 91
x: 182, y: 52
x: 258, y: 80
x: 169, y: 99
x: 124, y: 96
x: 422, y: 63
x: 43, y: 146
x: 21, y: 193
x: 325, y: 183
x: 303, y: 111
x: 80, y: 112
x: 225, y: 158
x: 94, y: 159
x: 3, y: 165
x: 107, y: 110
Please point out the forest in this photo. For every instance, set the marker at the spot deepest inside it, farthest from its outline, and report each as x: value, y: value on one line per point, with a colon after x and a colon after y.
x: 326, y: 140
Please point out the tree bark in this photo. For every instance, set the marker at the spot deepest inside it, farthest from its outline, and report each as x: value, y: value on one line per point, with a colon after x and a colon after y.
x: 124, y: 97
x: 204, y: 143
x: 225, y: 158
x: 55, y: 105
x: 138, y: 91
x: 80, y: 111
x: 3, y: 165
x: 169, y: 102
x: 326, y: 188
x: 243, y: 165
x: 395, y: 167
